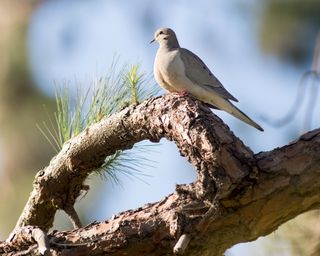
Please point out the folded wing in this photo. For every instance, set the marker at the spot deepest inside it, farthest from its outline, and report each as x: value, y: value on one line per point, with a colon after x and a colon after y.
x: 197, y: 71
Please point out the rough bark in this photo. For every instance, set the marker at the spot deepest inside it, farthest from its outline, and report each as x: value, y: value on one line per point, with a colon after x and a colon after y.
x: 237, y: 197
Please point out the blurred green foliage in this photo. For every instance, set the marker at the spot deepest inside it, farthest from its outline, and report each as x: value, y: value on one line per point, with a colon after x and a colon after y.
x: 22, y: 149
x: 289, y: 28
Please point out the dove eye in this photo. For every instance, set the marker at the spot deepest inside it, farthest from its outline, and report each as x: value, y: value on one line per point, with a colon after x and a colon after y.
x: 161, y: 32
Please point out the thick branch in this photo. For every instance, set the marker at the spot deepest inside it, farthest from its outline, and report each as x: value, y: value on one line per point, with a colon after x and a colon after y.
x: 185, y: 121
x: 237, y: 196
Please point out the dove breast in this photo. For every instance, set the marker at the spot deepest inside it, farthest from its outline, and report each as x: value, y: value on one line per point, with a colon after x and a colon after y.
x: 169, y: 71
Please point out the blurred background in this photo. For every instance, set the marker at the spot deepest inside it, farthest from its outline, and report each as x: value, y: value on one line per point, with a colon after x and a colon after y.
x: 258, y: 49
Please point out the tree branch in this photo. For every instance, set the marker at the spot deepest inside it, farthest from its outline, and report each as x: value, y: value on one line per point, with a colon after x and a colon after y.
x: 237, y: 197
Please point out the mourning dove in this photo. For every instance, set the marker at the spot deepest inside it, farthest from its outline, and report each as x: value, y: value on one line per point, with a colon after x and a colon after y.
x: 179, y: 70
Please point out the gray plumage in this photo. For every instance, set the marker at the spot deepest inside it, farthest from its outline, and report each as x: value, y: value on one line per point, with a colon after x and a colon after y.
x: 179, y: 70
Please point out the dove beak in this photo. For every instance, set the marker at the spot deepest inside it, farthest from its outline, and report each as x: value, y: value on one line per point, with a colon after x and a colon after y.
x: 152, y: 40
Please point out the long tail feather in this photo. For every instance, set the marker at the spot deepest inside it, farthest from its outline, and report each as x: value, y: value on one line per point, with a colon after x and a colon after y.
x: 227, y: 106
x: 243, y: 117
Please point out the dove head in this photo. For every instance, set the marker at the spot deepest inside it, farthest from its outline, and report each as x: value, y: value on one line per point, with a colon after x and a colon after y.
x: 166, y: 38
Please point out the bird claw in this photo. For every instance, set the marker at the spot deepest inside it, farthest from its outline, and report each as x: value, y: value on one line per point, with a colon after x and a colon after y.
x: 183, y: 93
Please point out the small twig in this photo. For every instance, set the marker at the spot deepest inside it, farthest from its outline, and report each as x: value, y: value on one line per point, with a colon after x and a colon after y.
x: 74, y: 218
x: 66, y: 245
x: 296, y: 105
x: 313, y: 74
x: 42, y: 240
x: 316, y: 55
x: 311, y: 105
x: 27, y: 235
x: 182, y: 244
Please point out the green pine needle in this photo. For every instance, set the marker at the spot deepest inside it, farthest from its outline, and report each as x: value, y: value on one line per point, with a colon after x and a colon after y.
x: 105, y: 96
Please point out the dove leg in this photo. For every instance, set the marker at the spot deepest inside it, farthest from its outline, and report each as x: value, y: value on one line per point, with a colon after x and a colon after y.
x: 184, y: 93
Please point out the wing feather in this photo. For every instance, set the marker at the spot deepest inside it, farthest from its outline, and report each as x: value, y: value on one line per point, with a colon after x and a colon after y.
x: 198, y: 72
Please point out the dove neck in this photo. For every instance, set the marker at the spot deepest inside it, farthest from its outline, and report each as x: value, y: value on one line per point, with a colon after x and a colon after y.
x: 170, y: 45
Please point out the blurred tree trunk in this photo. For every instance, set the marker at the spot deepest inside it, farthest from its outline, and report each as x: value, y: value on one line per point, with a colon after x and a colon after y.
x: 21, y: 146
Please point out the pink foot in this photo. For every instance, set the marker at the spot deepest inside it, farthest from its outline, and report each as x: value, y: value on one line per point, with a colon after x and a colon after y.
x: 183, y: 93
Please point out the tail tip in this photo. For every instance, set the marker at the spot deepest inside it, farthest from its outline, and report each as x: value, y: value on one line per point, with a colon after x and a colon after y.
x: 259, y: 128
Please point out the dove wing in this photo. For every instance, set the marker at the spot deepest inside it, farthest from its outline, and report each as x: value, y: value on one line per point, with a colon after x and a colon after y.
x: 198, y: 72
